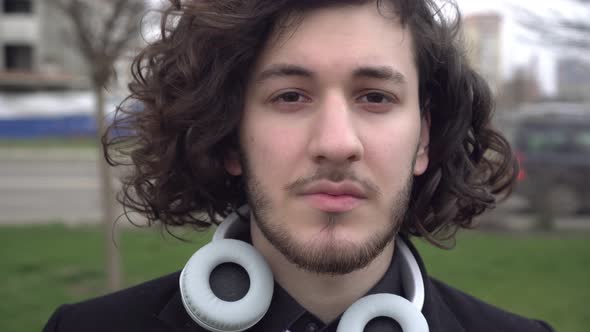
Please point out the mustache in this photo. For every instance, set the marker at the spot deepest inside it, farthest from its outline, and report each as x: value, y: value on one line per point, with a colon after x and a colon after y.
x: 334, y: 175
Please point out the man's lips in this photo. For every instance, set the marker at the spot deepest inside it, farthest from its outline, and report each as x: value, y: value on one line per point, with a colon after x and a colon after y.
x: 334, y: 196
x: 346, y: 188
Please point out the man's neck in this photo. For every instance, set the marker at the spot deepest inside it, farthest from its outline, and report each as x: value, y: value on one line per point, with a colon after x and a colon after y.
x: 326, y: 296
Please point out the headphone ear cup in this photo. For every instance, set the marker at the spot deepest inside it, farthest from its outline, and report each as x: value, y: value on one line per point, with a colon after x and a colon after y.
x: 213, y: 313
x: 360, y: 313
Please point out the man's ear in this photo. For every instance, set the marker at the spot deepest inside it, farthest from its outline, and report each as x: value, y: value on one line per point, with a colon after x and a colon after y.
x: 421, y: 163
x: 232, y: 163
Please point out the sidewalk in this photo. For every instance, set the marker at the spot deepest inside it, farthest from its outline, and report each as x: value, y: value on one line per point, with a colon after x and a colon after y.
x: 48, y: 154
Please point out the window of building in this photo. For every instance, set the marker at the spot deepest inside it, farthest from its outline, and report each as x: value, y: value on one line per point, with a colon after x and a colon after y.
x: 18, y: 6
x: 18, y: 57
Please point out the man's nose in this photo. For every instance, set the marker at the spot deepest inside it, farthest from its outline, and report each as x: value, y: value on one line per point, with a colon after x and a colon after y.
x: 335, y: 137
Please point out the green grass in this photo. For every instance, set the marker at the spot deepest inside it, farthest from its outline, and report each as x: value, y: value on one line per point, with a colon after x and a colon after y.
x: 544, y: 276
x: 51, y: 142
x: 43, y: 266
x: 536, y: 275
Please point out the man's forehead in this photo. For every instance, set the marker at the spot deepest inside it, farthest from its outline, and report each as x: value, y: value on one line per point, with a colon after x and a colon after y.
x: 358, y: 40
x: 289, y: 22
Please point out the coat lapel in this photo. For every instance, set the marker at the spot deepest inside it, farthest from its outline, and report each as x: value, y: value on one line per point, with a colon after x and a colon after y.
x: 176, y: 318
x: 439, y: 316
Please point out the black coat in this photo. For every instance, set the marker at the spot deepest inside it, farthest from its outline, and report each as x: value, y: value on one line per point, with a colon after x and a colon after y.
x: 156, y: 306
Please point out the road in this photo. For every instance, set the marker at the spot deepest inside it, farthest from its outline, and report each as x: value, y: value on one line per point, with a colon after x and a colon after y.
x: 39, y: 186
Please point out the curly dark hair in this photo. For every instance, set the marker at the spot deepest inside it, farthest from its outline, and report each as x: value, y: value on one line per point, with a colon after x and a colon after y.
x: 191, y: 84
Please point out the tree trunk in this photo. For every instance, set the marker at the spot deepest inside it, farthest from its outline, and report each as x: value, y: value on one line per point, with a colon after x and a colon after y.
x: 107, y: 197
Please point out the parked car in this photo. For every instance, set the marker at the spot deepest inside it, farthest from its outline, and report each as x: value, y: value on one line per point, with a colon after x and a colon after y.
x: 553, y: 149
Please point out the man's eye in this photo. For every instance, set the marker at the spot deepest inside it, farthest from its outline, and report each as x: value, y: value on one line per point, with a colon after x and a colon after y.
x: 290, y: 97
x: 376, y: 98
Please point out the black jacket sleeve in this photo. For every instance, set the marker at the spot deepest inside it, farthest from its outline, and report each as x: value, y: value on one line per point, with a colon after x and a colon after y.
x: 52, y: 324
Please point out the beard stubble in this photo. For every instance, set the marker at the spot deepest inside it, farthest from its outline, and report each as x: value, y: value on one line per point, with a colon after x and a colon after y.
x: 332, y: 256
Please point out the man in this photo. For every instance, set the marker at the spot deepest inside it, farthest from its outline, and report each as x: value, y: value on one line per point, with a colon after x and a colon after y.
x: 341, y: 123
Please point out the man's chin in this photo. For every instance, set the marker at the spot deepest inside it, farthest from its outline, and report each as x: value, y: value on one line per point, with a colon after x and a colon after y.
x: 320, y: 243
x: 339, y: 234
x: 332, y: 255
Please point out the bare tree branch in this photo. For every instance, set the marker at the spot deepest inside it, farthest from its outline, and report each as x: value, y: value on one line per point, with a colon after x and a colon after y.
x: 84, y: 36
x: 130, y: 27
x: 116, y: 15
x: 102, y: 39
x: 103, y: 29
x: 556, y: 29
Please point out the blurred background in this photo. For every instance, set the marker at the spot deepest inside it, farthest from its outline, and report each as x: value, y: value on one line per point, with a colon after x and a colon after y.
x: 64, y: 66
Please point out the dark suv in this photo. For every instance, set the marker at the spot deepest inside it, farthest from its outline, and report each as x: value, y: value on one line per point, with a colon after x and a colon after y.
x: 553, y: 148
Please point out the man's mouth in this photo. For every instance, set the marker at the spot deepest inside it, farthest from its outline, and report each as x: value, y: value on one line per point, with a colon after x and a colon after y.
x: 331, y: 203
x: 334, y: 196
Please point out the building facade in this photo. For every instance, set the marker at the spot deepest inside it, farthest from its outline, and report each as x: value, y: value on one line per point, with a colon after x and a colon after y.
x: 38, y: 49
x: 573, y: 79
x: 35, y: 48
x: 483, y: 40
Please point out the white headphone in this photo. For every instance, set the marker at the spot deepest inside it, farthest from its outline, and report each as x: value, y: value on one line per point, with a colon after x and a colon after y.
x: 215, y: 314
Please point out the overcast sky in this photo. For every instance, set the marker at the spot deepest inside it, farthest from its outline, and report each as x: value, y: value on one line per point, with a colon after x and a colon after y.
x: 517, y: 49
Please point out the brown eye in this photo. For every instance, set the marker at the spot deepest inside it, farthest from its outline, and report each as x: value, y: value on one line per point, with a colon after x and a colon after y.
x: 290, y: 101
x: 376, y: 98
x: 377, y: 102
x: 290, y: 97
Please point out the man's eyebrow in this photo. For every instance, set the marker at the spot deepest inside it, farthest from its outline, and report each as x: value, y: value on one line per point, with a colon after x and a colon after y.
x: 380, y: 72
x: 283, y: 70
x: 376, y: 72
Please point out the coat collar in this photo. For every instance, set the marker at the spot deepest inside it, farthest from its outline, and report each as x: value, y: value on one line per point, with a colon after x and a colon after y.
x: 175, y: 316
x: 438, y: 314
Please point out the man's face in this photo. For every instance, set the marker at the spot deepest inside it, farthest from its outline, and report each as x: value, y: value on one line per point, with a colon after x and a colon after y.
x: 332, y: 136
